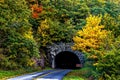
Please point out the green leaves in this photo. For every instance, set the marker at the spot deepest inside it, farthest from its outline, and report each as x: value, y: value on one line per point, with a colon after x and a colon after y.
x: 51, y: 31
x: 16, y: 46
x: 110, y: 61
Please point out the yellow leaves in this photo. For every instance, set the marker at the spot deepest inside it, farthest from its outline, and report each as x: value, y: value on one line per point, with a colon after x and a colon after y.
x: 93, y: 57
x: 93, y: 21
x: 101, y: 78
x: 30, y: 62
x: 24, y: 50
x: 43, y: 31
x: 102, y: 1
x: 77, y: 45
x: 1, y: 1
x: 2, y: 56
x: 91, y: 36
x: 95, y: 64
x: 1, y: 50
x: 43, y: 26
x: 28, y: 34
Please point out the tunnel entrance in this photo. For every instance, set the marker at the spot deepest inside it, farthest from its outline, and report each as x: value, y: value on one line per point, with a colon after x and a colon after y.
x: 67, y: 60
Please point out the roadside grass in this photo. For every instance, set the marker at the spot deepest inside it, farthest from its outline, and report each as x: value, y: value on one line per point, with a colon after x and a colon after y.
x: 73, y: 78
x: 79, y: 74
x: 88, y: 72
x: 5, y: 74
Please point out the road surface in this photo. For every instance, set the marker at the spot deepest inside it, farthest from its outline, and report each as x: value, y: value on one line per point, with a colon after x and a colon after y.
x: 56, y: 74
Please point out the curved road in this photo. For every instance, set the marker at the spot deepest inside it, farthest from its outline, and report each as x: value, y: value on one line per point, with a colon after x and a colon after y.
x: 56, y: 74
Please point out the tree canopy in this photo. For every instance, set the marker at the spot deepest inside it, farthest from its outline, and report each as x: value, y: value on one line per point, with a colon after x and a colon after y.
x: 28, y: 26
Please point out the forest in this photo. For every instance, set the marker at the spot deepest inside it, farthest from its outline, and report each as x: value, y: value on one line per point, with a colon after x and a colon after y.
x: 28, y: 26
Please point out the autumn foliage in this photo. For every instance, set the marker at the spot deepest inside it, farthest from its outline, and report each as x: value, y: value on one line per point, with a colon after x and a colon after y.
x: 29, y: 26
x: 36, y: 9
x: 91, y: 36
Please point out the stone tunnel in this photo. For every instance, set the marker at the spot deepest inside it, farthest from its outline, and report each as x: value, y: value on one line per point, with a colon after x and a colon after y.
x: 61, y: 55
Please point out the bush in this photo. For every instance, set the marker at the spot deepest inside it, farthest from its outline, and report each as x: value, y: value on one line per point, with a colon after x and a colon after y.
x: 18, y: 51
x: 109, y: 65
x: 16, y: 40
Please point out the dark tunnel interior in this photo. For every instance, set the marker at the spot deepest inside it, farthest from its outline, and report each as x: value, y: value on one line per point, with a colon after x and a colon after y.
x: 66, y: 60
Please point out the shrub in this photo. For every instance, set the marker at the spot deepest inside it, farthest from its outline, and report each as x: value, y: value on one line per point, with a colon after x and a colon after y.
x: 109, y: 64
x: 16, y: 40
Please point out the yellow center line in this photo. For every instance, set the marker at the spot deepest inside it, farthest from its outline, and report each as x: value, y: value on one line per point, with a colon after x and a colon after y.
x: 47, y: 74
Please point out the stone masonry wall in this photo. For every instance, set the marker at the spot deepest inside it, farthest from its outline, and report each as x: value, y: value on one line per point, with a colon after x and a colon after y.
x: 56, y: 48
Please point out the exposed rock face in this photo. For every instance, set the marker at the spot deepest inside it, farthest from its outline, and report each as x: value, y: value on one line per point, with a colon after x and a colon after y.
x: 56, y: 48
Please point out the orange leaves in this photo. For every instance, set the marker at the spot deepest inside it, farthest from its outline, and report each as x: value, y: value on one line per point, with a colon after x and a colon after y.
x: 91, y: 36
x: 36, y: 9
x: 35, y: 15
x: 39, y: 9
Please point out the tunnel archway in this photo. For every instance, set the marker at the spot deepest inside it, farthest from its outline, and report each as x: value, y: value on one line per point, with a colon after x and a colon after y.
x: 67, y: 60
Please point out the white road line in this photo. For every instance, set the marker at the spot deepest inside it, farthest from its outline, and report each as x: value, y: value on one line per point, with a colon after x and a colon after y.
x: 30, y: 76
x: 48, y: 74
x: 46, y: 79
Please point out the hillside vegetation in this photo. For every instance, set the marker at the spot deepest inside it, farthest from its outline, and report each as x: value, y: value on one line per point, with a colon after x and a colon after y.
x: 28, y: 26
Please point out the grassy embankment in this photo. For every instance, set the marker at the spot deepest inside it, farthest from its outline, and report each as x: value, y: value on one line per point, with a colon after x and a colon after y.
x: 86, y: 73
x: 4, y: 74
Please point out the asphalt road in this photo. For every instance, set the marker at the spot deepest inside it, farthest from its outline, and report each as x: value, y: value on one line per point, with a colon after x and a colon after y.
x: 56, y: 74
